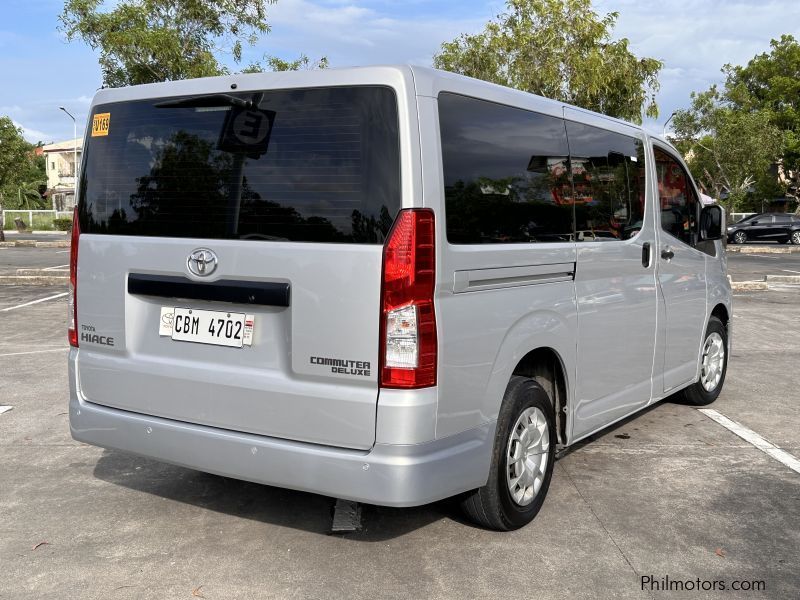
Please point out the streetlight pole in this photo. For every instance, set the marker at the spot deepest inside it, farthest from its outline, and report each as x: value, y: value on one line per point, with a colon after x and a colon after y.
x: 664, y: 131
x: 74, y: 152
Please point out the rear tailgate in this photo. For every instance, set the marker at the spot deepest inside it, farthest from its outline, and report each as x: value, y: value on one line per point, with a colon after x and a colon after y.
x: 278, y: 386
x: 296, y: 188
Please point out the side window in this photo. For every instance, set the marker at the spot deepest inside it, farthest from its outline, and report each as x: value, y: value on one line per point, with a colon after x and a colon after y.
x: 506, y: 178
x: 782, y: 219
x: 608, y: 172
x: 677, y: 198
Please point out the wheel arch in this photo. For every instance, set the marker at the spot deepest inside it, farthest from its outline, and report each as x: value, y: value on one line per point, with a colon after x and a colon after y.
x: 721, y: 312
x: 546, y: 366
x: 542, y: 337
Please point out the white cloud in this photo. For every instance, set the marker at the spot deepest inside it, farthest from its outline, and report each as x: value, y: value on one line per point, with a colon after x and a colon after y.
x: 695, y: 38
x: 32, y: 135
x: 354, y: 35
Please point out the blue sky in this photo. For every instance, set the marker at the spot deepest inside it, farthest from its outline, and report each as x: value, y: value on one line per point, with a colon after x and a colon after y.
x: 39, y: 71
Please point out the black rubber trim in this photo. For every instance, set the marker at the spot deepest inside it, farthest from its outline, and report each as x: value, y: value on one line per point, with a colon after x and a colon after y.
x: 266, y: 293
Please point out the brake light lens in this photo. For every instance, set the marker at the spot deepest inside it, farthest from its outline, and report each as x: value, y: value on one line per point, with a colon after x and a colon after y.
x: 72, y: 303
x: 408, y: 321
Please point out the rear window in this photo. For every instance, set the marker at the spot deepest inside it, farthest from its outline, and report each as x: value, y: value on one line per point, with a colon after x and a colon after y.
x: 312, y: 165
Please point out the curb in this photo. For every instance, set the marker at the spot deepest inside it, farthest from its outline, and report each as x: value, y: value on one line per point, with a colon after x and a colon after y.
x: 42, y: 273
x: 748, y: 286
x: 35, y: 244
x: 59, y: 244
x: 763, y: 249
x: 783, y: 279
x: 763, y: 283
x: 33, y: 280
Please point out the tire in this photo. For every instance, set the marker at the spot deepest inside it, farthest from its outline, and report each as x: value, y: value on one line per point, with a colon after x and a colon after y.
x: 699, y: 394
x: 795, y: 237
x: 740, y: 237
x: 494, y: 505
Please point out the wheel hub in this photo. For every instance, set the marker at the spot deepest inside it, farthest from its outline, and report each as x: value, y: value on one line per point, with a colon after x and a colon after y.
x: 713, y: 362
x: 527, y: 454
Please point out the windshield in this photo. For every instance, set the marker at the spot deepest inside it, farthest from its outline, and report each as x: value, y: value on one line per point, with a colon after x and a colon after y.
x: 309, y: 165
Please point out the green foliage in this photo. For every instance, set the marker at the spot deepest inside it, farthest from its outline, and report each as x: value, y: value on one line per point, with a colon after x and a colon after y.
x: 733, y: 136
x: 21, y: 171
x: 771, y: 82
x: 146, y: 41
x: 560, y: 49
x: 62, y: 224
x: 273, y: 63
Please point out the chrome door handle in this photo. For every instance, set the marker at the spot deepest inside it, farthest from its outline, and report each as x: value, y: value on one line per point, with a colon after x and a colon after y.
x: 667, y: 253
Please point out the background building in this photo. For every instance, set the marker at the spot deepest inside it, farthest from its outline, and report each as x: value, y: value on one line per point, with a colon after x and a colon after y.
x: 60, y: 169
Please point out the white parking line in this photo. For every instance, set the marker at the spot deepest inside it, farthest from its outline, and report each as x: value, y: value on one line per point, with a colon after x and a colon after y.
x: 33, y: 302
x: 61, y: 251
x: 34, y: 352
x: 5, y: 409
x: 55, y: 268
x: 752, y: 437
x: 790, y: 271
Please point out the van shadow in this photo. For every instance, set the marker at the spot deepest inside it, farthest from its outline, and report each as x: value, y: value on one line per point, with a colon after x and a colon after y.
x: 277, y: 506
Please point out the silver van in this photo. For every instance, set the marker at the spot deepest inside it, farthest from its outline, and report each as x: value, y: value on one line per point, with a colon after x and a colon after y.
x: 391, y: 285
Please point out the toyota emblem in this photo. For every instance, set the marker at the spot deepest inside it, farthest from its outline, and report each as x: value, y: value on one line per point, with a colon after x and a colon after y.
x: 202, y: 262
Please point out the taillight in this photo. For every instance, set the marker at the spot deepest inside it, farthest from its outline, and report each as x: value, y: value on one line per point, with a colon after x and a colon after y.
x: 408, y: 322
x: 72, y: 301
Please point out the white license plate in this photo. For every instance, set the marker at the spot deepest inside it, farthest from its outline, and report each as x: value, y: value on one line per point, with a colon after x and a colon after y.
x: 215, y: 327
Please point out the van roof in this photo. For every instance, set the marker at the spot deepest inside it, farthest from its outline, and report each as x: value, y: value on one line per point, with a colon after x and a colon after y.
x: 426, y: 81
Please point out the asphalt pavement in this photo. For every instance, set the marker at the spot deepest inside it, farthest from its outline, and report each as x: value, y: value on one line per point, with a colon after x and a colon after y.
x: 749, y: 267
x: 667, y: 493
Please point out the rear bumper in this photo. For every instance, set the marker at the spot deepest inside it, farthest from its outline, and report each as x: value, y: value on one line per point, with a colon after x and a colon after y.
x: 388, y: 474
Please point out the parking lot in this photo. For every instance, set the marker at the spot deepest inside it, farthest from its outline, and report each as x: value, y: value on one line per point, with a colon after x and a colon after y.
x: 668, y: 493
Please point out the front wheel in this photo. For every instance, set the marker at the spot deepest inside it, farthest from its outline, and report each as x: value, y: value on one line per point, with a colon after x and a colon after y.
x: 740, y: 237
x: 796, y: 237
x: 713, y: 366
x: 522, y: 460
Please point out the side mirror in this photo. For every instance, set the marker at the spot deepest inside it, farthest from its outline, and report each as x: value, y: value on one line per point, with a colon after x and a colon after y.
x: 711, y: 223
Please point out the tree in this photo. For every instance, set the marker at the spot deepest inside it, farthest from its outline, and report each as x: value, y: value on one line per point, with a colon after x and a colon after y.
x: 734, y: 136
x: 771, y: 82
x: 273, y: 63
x: 146, y: 41
x: 560, y: 49
x: 21, y: 171
x: 728, y: 150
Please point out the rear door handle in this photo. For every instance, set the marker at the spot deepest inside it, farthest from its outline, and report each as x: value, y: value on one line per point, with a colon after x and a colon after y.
x: 667, y: 253
x: 646, y: 254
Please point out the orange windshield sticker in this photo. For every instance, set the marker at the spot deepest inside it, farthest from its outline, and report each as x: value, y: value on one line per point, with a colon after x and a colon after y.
x: 100, y: 124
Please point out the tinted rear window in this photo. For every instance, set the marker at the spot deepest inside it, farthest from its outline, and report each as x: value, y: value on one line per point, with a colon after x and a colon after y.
x: 313, y: 165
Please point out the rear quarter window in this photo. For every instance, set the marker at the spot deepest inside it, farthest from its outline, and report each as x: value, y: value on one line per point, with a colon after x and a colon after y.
x: 506, y: 177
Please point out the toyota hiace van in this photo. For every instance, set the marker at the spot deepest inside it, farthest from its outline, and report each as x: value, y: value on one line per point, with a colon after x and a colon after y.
x: 391, y: 285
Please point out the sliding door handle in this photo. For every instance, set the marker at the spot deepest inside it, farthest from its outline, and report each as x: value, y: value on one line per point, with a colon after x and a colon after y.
x: 667, y: 253
x: 646, y: 254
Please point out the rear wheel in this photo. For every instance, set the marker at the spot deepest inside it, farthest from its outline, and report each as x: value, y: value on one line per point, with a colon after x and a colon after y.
x: 522, y: 460
x: 713, y: 366
x: 740, y: 237
x: 796, y: 237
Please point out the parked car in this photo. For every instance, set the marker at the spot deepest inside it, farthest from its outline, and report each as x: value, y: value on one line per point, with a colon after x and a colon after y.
x: 328, y: 281
x: 777, y: 227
